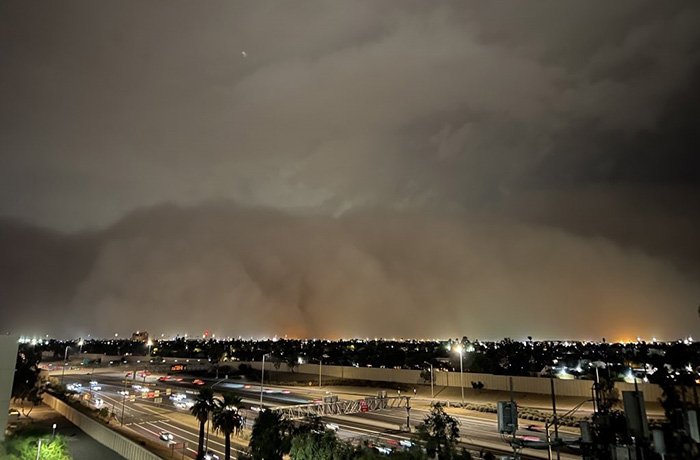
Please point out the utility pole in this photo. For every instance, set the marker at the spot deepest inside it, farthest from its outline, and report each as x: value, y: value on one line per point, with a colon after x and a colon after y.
x: 408, y: 413
x: 123, y: 402
x: 554, y: 413
x: 65, y: 358
x: 262, y: 380
x: 512, y: 403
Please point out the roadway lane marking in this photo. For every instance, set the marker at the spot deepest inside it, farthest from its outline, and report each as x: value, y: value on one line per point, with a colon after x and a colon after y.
x: 158, y: 436
x: 212, y: 439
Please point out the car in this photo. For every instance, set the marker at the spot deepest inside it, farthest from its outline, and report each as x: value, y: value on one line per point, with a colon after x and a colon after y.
x: 166, y: 436
x: 98, y: 402
x: 536, y: 428
x: 178, y: 396
x: 198, y: 381
x: 93, y: 382
x: 96, y: 388
x: 332, y: 426
x: 527, y: 437
x: 209, y: 455
x: 406, y: 443
x: 137, y: 387
x: 383, y: 450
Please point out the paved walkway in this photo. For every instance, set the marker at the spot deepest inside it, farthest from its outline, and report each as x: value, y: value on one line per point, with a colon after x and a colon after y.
x: 82, y: 446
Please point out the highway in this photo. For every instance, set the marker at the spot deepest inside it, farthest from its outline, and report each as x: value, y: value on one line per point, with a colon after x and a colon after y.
x: 148, y: 417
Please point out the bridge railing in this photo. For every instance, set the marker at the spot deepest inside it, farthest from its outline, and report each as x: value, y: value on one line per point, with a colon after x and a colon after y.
x: 343, y: 407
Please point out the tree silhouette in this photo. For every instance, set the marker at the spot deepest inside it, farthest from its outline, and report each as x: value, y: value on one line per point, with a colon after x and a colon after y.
x: 270, y: 437
x: 227, y: 419
x: 202, y: 407
x: 439, y: 433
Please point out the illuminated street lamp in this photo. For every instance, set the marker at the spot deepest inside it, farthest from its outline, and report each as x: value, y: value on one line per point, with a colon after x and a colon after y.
x: 80, y: 344
x: 320, y: 368
x: 432, y: 391
x: 150, y: 344
x: 460, y: 349
x: 65, y: 358
x: 262, y: 378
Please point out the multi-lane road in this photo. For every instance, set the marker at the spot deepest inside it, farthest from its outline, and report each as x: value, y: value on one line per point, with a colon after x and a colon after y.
x: 150, y: 417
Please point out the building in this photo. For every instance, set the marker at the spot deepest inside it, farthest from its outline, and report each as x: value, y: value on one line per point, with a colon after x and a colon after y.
x: 8, y: 360
x: 139, y: 336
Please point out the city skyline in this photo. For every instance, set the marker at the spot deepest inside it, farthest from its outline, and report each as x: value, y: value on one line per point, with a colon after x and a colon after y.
x: 353, y: 169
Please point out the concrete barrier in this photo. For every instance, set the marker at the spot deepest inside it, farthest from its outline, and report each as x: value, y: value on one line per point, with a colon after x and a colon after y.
x: 100, y: 433
x: 536, y: 385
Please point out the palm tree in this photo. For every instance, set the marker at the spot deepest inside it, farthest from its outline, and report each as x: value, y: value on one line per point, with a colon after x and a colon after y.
x: 227, y: 419
x: 202, y: 407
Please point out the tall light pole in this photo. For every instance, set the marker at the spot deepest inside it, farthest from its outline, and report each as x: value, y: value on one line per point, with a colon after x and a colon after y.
x: 320, y: 369
x: 80, y: 344
x: 460, y: 349
x: 432, y: 391
x: 262, y: 379
x: 123, y: 401
x: 65, y: 358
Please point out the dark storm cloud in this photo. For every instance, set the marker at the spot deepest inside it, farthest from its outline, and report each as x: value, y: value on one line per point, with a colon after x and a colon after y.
x: 259, y: 272
x: 560, y: 118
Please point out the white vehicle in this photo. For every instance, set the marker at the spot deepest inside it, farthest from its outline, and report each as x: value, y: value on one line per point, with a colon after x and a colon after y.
x: 96, y: 388
x: 93, y: 382
x: 166, y: 436
x: 124, y: 392
x: 184, y: 404
x: 210, y: 456
x: 383, y: 450
x: 137, y: 387
x: 98, y: 402
x: 405, y: 443
x: 332, y: 426
x: 178, y: 397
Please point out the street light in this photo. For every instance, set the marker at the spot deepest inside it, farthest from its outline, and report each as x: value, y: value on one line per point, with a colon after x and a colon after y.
x: 65, y: 358
x: 432, y: 392
x: 53, y: 431
x: 460, y: 349
x: 320, y: 368
x: 80, y: 343
x: 262, y: 379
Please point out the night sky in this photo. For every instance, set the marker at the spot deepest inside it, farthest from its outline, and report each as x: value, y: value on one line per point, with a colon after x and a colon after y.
x: 360, y: 168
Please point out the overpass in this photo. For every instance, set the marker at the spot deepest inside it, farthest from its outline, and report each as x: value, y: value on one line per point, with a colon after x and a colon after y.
x: 343, y: 407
